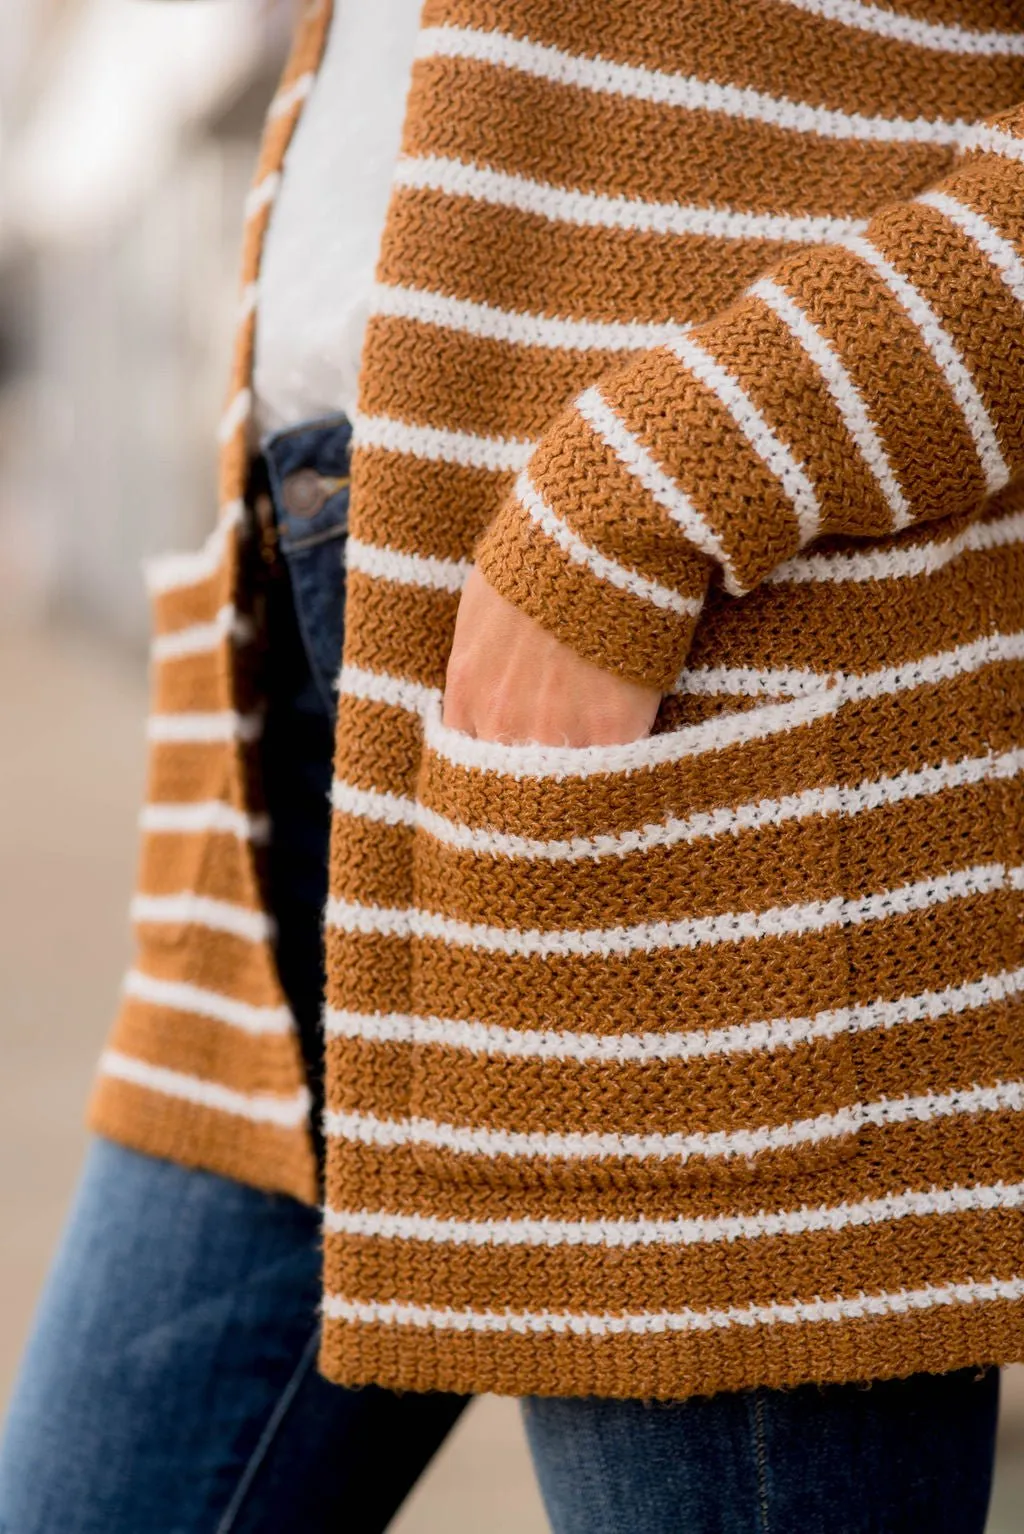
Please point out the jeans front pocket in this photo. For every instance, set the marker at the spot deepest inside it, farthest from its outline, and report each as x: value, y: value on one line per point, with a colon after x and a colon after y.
x: 630, y: 962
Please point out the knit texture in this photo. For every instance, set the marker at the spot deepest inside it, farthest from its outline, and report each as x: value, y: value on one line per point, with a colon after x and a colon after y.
x: 696, y: 1063
x: 204, y: 1065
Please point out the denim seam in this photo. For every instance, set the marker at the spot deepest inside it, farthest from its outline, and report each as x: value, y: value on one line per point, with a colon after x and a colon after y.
x: 315, y: 540
x: 761, y: 1461
x: 274, y: 1421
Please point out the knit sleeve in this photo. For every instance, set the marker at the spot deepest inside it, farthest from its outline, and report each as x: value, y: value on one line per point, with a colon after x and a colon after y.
x: 857, y: 388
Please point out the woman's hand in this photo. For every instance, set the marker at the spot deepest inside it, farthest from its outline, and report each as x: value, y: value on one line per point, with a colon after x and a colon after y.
x: 512, y: 681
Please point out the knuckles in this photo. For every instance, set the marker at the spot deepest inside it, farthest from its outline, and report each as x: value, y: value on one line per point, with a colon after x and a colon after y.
x: 502, y: 689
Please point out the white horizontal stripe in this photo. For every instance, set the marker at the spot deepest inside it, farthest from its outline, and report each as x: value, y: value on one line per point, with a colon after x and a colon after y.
x: 774, y: 453
x: 594, y: 210
x: 387, y: 809
x: 377, y: 687
x: 610, y: 428
x: 932, y: 669
x: 599, y: 564
x: 180, y: 996
x: 262, y: 194
x: 722, y: 1144
x: 651, y: 937
x: 203, y: 729
x: 900, y: 28
x: 497, y: 1042
x: 1001, y: 252
x: 516, y: 328
x: 235, y: 416
x: 901, y: 563
x: 673, y: 90
x: 752, y: 682
x: 210, y: 815
x: 647, y: 1323
x: 845, y: 395
x: 173, y: 572
x: 988, y: 140
x: 291, y: 96
x: 289, y: 1112
x: 871, y: 794
x: 385, y: 564
x: 625, y: 1234
x: 186, y: 908
x: 947, y: 359
x: 500, y: 455
x: 693, y: 740
x: 749, y: 682
x: 198, y: 638
x: 745, y: 681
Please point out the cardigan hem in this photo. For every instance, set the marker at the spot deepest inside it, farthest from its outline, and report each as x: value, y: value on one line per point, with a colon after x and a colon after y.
x: 270, y: 1157
x: 675, y: 1367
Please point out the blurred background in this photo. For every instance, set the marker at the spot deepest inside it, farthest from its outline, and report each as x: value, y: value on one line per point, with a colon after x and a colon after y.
x: 128, y: 132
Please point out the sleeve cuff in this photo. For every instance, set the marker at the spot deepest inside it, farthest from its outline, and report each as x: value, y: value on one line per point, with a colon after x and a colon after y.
x: 578, y: 549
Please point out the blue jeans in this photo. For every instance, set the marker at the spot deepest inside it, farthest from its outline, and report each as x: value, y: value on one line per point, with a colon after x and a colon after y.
x: 170, y: 1385
x: 907, y: 1456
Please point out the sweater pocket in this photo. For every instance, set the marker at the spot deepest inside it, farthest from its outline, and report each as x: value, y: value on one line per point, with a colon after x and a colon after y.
x: 630, y: 963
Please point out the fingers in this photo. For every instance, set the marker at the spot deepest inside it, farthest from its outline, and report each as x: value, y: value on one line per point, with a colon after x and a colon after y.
x: 511, y: 681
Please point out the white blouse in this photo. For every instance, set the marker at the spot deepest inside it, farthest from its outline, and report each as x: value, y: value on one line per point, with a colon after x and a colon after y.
x: 321, y: 248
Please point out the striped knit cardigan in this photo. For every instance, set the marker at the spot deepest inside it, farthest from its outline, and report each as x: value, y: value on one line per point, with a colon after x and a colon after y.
x: 695, y: 1063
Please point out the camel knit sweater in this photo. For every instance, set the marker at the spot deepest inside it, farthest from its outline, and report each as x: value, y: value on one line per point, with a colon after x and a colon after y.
x: 696, y: 1063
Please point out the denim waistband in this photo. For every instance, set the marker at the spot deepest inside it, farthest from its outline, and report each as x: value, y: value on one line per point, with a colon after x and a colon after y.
x: 308, y: 473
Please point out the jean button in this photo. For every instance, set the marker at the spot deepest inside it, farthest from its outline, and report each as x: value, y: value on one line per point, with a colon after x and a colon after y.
x: 304, y: 492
